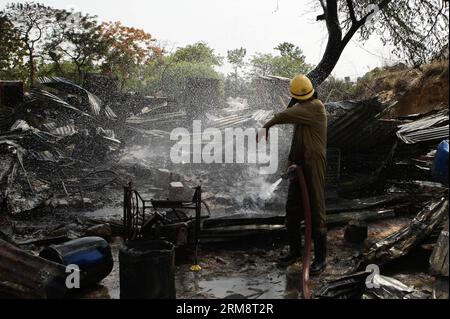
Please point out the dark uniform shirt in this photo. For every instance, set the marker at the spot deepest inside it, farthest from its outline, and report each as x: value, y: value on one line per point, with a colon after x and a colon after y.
x: 310, y: 134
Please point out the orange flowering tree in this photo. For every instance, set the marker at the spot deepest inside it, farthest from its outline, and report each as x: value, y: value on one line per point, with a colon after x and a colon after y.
x: 129, y: 50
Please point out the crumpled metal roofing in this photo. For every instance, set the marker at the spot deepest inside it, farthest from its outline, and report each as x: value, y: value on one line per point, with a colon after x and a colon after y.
x: 429, y: 128
x: 23, y: 275
x: 240, y: 119
x: 68, y: 86
x: 355, y: 125
x: 39, y: 95
x: 149, y: 120
x: 92, y: 102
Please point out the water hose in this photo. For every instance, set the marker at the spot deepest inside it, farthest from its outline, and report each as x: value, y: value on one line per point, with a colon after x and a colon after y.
x: 198, y: 199
x: 308, y: 231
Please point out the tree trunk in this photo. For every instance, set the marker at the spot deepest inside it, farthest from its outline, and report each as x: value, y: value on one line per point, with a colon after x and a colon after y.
x: 235, y: 83
x: 323, y: 70
x: 79, y: 73
x: 336, y: 42
x: 334, y: 47
x: 31, y: 69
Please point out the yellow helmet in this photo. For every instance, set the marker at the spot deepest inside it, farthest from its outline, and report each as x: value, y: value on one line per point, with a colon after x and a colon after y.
x: 302, y: 88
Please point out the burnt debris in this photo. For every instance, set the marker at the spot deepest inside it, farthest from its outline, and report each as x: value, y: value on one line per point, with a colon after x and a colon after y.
x: 67, y: 149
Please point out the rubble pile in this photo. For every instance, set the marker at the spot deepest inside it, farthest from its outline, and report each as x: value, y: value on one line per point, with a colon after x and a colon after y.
x: 62, y: 142
x: 56, y: 139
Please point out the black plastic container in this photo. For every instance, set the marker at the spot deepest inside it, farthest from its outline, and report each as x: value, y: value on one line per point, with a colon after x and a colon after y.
x: 91, y: 254
x: 147, y: 270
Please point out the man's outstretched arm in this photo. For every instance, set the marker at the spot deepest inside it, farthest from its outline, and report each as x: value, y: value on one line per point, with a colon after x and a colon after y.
x: 300, y: 114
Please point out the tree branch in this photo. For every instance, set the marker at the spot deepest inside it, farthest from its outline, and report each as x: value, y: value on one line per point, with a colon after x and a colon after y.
x: 435, y: 21
x: 324, y: 15
x: 351, y: 10
x: 336, y: 44
x: 383, y: 4
x: 355, y: 26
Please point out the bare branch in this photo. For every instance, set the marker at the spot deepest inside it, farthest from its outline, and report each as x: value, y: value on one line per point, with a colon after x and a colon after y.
x: 321, y: 17
x: 334, y: 46
x: 351, y: 10
x: 358, y: 24
x: 337, y: 43
x: 436, y: 20
x: 323, y: 6
x: 324, y: 15
x: 383, y: 4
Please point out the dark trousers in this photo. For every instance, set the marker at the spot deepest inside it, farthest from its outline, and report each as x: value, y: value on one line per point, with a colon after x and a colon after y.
x: 295, y: 215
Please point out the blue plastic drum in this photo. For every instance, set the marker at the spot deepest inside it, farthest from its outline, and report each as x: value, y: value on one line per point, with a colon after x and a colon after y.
x: 440, y: 165
x: 91, y: 254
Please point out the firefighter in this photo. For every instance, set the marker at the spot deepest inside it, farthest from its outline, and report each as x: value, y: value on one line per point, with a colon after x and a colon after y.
x: 307, y: 113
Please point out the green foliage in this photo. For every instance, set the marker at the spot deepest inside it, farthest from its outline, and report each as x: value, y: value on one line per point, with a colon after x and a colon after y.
x: 288, y: 67
x: 334, y: 89
x: 36, y: 37
x: 31, y: 23
x: 262, y: 64
x: 66, y: 69
x: 290, y: 50
x: 167, y: 74
x: 236, y: 58
x: 175, y: 77
x: 79, y: 42
x: 289, y: 63
x: 198, y: 53
x: 11, y: 51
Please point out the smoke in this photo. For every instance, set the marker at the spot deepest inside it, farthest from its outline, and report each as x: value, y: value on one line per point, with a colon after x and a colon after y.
x: 239, y: 187
x: 236, y: 104
x: 149, y: 156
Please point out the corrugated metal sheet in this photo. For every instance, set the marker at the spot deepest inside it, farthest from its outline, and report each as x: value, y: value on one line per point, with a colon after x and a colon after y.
x: 44, y: 156
x: 110, y: 113
x: 65, y: 131
x: 94, y: 103
x: 159, y: 119
x: 23, y: 275
x: 430, y: 128
x: 240, y: 119
x: 438, y: 133
x: 38, y: 95
x: 50, y: 126
x: 20, y: 125
x: 356, y: 127
x: 353, y: 125
x: 152, y: 133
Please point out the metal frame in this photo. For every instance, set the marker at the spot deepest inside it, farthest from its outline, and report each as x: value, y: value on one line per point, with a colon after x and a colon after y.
x: 136, y: 211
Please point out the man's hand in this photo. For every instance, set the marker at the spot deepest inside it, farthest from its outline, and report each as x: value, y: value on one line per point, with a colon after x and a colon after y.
x: 291, y: 173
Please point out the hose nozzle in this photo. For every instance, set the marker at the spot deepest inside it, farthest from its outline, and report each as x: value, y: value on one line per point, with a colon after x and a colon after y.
x: 291, y: 173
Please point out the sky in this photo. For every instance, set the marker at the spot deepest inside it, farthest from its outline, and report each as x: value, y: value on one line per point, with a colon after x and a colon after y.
x: 257, y: 25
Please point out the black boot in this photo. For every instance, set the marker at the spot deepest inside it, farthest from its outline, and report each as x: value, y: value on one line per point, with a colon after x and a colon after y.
x: 288, y: 260
x: 295, y: 253
x: 320, y: 255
